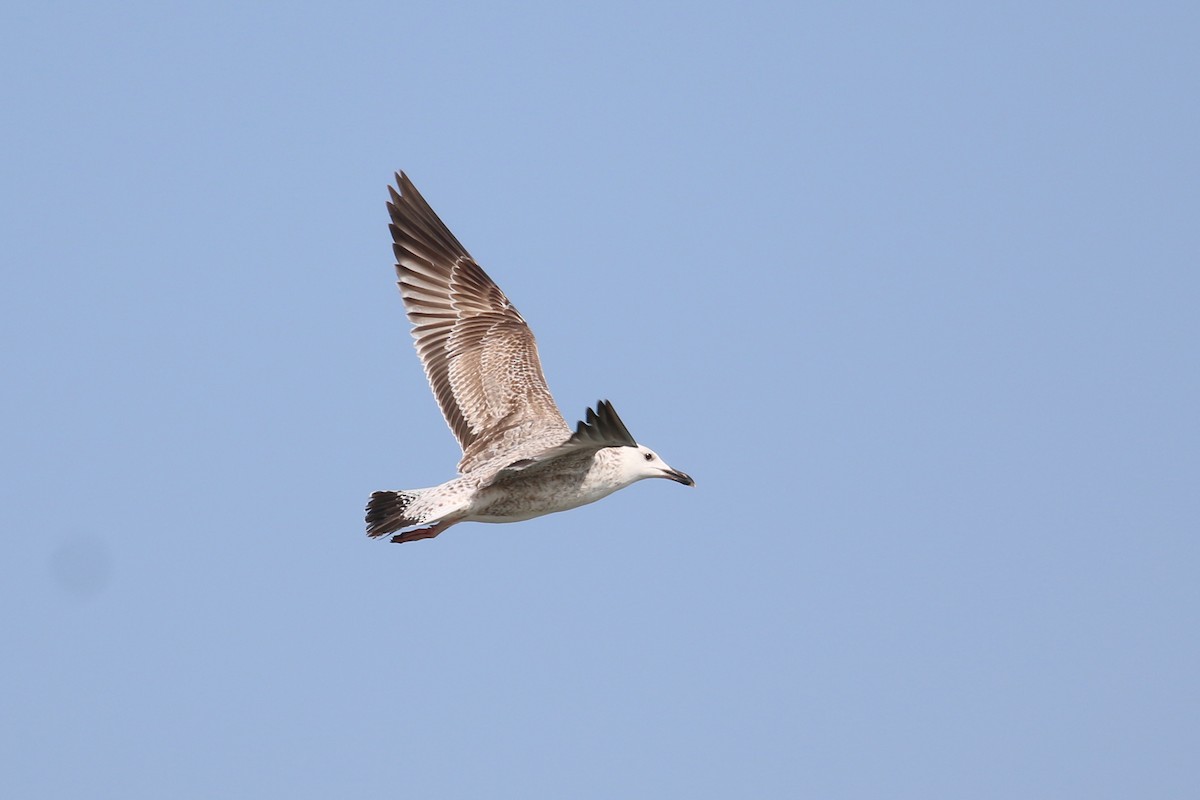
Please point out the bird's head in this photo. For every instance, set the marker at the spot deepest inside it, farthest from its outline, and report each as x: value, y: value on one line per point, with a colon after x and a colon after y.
x: 641, y: 462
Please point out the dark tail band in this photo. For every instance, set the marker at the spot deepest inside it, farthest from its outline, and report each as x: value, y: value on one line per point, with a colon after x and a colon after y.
x: 386, y: 513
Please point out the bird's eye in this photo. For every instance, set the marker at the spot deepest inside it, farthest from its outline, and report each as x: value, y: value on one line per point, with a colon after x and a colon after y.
x: 649, y: 456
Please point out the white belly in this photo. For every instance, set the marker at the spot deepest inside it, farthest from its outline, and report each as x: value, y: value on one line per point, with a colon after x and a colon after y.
x: 543, y: 493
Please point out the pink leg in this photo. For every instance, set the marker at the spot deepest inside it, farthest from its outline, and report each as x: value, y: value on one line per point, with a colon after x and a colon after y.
x: 423, y: 533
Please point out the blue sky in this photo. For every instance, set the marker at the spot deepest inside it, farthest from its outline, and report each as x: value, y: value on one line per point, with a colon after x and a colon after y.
x: 911, y: 292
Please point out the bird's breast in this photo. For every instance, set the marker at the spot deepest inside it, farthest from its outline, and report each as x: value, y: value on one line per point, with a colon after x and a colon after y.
x: 544, y: 491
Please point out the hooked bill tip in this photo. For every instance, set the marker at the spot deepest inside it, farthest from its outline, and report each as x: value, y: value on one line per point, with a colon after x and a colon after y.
x: 681, y: 477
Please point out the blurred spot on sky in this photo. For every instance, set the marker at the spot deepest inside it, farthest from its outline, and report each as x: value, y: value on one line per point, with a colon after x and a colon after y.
x: 81, y: 566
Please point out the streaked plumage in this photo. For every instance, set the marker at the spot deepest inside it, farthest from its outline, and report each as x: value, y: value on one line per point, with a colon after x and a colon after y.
x: 520, y: 458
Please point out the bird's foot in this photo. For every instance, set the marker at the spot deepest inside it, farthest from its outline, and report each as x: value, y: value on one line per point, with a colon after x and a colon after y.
x: 420, y: 533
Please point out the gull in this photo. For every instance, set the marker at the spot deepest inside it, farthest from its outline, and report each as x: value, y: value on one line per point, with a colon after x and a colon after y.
x: 520, y: 458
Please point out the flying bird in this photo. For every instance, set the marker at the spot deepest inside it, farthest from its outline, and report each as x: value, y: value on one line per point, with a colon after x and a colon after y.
x: 520, y: 458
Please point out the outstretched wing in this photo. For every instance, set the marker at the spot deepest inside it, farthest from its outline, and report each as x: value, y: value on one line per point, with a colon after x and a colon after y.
x: 479, y: 355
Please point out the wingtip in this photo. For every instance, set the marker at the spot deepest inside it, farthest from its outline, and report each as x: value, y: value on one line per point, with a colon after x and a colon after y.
x: 403, y: 187
x: 603, y: 421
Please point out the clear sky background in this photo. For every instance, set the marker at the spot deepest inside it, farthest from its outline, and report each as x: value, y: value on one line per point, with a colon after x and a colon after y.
x: 912, y: 290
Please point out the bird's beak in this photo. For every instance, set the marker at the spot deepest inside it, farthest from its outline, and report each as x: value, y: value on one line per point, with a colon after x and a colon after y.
x: 681, y: 477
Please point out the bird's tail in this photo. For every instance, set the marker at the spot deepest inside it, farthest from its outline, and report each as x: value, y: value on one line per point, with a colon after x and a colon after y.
x: 387, y: 512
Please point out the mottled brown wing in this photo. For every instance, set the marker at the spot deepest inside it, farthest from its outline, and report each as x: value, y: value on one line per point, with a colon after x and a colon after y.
x: 479, y: 355
x: 601, y: 429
